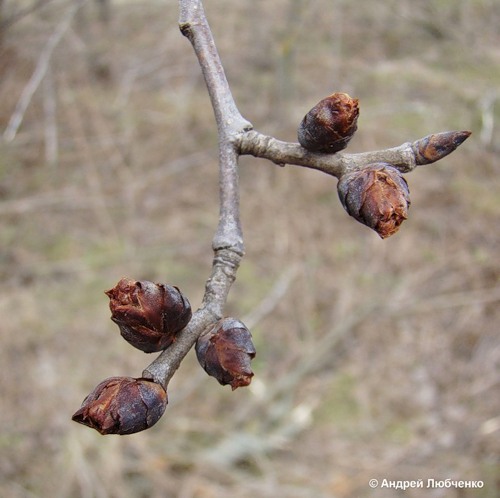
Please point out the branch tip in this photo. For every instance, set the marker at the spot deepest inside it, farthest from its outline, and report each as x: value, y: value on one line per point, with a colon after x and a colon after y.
x: 434, y: 147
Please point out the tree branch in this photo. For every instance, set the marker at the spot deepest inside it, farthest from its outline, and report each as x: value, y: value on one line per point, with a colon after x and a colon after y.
x: 373, y: 193
x: 194, y: 26
x: 236, y: 137
x: 405, y: 157
x: 228, y: 240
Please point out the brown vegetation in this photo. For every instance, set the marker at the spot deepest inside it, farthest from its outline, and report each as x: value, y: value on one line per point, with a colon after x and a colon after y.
x: 376, y: 359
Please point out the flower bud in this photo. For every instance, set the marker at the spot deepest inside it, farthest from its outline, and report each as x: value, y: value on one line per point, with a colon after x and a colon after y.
x: 226, y: 351
x: 123, y: 405
x: 376, y: 196
x: 330, y: 124
x: 149, y: 315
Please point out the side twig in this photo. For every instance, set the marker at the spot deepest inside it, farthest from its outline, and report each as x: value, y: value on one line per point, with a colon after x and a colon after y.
x: 405, y: 157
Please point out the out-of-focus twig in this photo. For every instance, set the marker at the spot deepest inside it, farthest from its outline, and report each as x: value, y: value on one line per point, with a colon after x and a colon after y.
x: 281, y: 422
x: 487, y: 107
x: 40, y: 71
x: 272, y: 299
x: 52, y: 199
x: 51, y: 132
x: 445, y: 301
x: 93, y: 173
x: 20, y: 14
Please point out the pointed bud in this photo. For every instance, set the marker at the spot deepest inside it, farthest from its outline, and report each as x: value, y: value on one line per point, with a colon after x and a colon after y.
x: 330, y: 124
x: 434, y: 147
x: 376, y: 196
x: 226, y: 351
x: 149, y: 315
x: 122, y: 405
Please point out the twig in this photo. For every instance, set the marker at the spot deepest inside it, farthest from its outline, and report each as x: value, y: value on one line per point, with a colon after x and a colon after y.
x: 17, y: 16
x: 487, y: 106
x: 405, y: 157
x: 234, y: 446
x: 446, y: 301
x: 236, y: 137
x: 193, y: 25
x: 387, y: 197
x: 93, y: 173
x: 272, y: 299
x: 50, y: 128
x: 228, y: 240
x: 39, y: 72
x: 281, y: 423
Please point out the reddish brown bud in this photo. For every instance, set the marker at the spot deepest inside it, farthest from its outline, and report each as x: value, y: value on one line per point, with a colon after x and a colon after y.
x: 149, y: 315
x: 434, y: 147
x: 123, y: 405
x: 377, y: 196
x: 330, y: 124
x: 226, y: 351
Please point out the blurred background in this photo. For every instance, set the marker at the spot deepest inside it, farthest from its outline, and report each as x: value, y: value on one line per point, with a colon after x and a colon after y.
x: 376, y: 359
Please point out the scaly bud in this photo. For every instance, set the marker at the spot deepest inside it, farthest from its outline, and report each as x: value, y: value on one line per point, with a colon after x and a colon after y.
x: 149, y: 315
x: 376, y: 196
x: 330, y: 124
x: 123, y: 405
x: 434, y: 147
x: 225, y: 353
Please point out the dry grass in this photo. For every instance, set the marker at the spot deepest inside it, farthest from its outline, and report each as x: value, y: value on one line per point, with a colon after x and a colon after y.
x: 376, y: 359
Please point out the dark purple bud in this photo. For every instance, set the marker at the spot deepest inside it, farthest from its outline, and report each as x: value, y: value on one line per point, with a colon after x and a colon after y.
x: 376, y: 196
x: 123, y: 405
x: 148, y: 315
x: 330, y: 124
x: 226, y: 352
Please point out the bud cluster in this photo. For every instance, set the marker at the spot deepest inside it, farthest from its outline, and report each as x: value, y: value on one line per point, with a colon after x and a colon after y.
x: 376, y: 195
x: 150, y: 316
